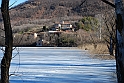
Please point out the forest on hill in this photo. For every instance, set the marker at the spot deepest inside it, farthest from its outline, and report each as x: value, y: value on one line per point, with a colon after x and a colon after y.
x: 32, y: 11
x: 32, y: 15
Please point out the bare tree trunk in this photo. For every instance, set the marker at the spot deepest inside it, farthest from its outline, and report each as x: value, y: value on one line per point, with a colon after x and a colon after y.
x: 119, y: 54
x: 119, y: 40
x: 6, y: 60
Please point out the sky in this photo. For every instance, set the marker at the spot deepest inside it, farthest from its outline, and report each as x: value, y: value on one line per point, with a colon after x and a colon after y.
x: 17, y: 2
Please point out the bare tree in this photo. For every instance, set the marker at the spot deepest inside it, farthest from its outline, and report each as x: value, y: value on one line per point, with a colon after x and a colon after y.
x: 6, y: 60
x: 119, y: 9
x: 109, y: 30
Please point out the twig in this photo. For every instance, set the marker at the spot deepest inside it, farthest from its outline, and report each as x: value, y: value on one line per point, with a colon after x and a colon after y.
x: 13, y: 4
x: 109, y: 3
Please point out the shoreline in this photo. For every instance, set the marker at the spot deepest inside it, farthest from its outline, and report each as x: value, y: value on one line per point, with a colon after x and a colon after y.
x: 102, y: 56
x: 100, y: 52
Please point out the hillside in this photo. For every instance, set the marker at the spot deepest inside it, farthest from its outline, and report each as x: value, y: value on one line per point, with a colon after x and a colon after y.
x: 37, y: 13
x: 32, y: 15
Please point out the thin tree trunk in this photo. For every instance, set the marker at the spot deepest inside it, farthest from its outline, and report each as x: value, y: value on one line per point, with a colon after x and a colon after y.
x: 6, y: 60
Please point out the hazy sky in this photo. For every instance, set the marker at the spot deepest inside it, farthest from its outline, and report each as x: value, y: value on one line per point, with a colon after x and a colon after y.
x: 17, y: 2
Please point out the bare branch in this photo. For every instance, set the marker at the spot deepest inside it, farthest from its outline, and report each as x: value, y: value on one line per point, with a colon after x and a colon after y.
x: 82, y: 3
x: 79, y: 6
x: 106, y: 40
x: 12, y: 4
x: 109, y: 3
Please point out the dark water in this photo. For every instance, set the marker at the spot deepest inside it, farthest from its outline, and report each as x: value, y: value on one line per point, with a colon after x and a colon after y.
x: 60, y: 65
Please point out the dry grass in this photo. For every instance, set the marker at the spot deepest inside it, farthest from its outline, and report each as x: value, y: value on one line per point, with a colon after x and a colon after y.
x: 103, y: 57
x: 100, y: 52
x: 100, y: 49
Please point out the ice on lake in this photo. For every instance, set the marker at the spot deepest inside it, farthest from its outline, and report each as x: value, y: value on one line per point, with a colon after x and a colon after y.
x: 60, y: 65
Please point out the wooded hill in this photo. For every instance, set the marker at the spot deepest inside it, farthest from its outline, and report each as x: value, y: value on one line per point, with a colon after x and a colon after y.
x: 32, y: 15
x: 32, y: 11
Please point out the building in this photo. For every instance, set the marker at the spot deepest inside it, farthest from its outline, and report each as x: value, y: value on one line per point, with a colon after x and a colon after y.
x: 62, y: 26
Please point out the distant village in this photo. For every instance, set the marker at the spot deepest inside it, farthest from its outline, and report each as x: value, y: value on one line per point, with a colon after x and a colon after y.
x: 60, y: 34
x: 56, y: 34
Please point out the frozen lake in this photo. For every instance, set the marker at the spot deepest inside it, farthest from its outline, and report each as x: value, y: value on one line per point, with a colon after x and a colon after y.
x: 60, y: 65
